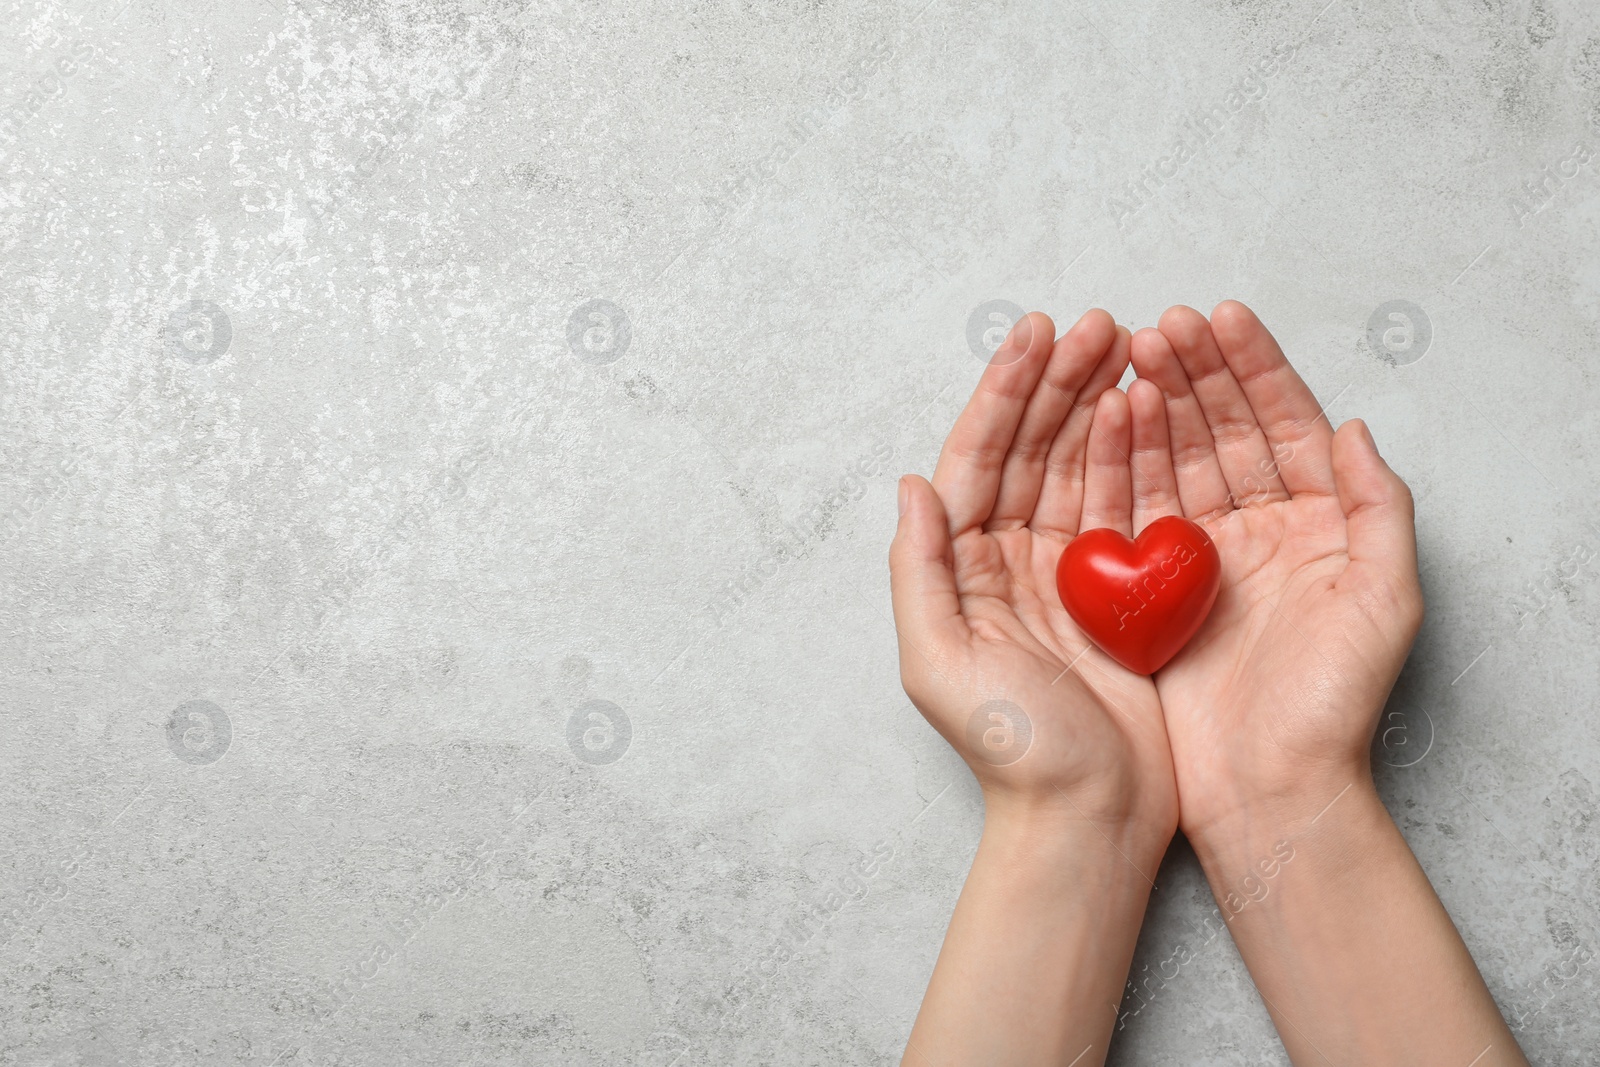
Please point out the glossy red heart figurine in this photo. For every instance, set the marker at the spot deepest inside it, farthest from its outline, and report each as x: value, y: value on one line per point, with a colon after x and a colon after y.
x: 1140, y: 600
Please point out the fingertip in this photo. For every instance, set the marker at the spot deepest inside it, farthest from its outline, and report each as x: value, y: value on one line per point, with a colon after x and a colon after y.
x: 1145, y: 401
x: 1028, y: 337
x: 1194, y: 346
x: 1149, y: 435
x: 1380, y: 515
x: 1233, y: 318
x: 921, y: 580
x: 1112, y: 428
x: 1239, y: 331
x: 1354, y: 433
x: 1182, y: 324
x: 1111, y: 411
x: 1366, y: 435
x: 1085, y: 344
x: 1147, y: 347
x: 1344, y: 434
x: 914, y: 489
x: 903, y: 524
x: 1036, y: 330
x: 923, y: 522
x: 1098, y: 320
x: 1155, y: 360
x: 906, y: 498
x: 1361, y: 474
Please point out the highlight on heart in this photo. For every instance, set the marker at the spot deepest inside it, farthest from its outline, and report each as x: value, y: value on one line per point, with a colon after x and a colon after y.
x: 1141, y: 600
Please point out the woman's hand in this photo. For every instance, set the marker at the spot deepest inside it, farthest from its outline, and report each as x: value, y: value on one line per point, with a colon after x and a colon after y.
x: 1272, y: 707
x: 1039, y: 453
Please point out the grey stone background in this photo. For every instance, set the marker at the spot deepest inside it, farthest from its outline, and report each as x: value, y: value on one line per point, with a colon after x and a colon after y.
x: 409, y: 660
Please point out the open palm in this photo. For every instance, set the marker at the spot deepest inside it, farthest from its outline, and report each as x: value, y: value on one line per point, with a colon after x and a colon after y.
x: 1039, y: 453
x: 1320, y: 600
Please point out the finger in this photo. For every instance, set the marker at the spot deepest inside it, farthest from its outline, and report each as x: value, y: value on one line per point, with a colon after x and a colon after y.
x: 1060, y: 505
x: 1298, y: 434
x: 1107, y: 478
x: 968, y: 475
x: 1155, y: 485
x: 1242, y: 449
x: 1072, y: 360
x: 1202, y: 489
x: 922, y: 581
x: 1380, y: 522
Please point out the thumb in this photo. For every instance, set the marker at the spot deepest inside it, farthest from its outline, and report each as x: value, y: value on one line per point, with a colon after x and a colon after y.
x: 927, y: 609
x: 1380, y: 519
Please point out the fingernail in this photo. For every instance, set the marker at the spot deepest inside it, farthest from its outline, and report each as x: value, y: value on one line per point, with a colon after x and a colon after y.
x: 1367, y: 433
x: 905, y: 495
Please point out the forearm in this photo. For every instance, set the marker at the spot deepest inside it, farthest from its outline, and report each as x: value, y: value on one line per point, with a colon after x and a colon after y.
x: 1347, y: 942
x: 1039, y: 947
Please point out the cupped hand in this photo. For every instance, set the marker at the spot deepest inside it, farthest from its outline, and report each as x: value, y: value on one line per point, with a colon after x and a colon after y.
x: 1278, y: 695
x: 1039, y: 453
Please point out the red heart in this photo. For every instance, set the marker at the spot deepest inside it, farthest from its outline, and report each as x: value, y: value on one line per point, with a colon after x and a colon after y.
x: 1142, y: 600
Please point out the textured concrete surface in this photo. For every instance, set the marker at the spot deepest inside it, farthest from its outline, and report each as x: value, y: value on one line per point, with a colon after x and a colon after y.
x: 449, y: 452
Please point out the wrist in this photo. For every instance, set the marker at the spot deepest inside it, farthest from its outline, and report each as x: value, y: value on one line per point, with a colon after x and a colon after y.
x: 1248, y: 823
x: 1244, y: 805
x: 1078, y: 831
x: 1304, y: 850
